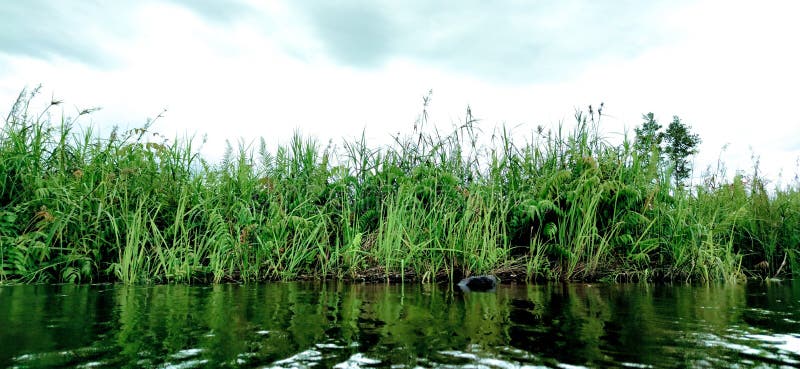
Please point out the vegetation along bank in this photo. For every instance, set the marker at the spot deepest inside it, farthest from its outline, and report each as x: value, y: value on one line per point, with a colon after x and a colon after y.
x: 567, y: 204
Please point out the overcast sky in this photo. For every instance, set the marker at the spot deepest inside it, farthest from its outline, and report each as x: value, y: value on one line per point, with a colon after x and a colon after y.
x: 244, y: 69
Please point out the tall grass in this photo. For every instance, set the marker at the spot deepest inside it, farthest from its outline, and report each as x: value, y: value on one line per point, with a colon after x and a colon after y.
x: 136, y: 207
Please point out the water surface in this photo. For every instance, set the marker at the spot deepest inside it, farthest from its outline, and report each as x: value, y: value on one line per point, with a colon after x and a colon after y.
x: 299, y: 325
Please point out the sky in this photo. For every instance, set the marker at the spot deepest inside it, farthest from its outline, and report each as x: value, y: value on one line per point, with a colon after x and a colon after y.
x: 240, y: 70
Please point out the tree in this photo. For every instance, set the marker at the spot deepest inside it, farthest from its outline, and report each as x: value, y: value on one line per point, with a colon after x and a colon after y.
x: 680, y: 144
x: 647, y: 135
x: 648, y: 140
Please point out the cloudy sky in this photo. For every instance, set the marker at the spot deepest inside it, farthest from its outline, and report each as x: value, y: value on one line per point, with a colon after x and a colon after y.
x: 332, y: 69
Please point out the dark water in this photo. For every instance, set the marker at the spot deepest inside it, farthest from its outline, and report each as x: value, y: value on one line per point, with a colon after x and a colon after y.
x: 298, y: 325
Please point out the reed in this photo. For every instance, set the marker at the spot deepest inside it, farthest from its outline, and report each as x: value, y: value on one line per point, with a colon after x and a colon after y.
x: 136, y: 207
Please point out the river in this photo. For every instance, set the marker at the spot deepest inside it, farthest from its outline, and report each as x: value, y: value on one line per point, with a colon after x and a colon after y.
x: 325, y: 325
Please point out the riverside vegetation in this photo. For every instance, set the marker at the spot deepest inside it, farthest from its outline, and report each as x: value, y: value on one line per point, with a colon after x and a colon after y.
x: 134, y: 207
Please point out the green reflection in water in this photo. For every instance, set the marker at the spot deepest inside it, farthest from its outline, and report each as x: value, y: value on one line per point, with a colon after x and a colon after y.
x: 307, y: 324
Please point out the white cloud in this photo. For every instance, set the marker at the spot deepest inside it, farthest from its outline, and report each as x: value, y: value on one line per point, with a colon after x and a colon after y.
x: 727, y: 69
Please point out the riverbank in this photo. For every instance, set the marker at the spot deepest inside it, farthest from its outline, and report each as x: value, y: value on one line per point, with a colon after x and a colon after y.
x: 136, y: 208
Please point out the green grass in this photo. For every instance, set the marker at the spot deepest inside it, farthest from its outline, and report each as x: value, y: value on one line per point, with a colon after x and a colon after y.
x: 136, y: 207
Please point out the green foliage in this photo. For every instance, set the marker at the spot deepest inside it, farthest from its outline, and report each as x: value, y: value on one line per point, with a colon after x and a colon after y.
x: 677, y: 142
x: 136, y: 207
x: 680, y: 144
x: 648, y: 138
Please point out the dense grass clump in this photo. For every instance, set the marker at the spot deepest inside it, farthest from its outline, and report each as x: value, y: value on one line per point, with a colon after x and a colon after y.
x: 136, y: 208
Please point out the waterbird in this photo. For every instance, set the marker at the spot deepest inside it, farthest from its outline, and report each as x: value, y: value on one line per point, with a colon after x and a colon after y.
x: 481, y: 283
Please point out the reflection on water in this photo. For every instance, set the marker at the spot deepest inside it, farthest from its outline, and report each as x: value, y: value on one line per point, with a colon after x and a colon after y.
x: 299, y: 325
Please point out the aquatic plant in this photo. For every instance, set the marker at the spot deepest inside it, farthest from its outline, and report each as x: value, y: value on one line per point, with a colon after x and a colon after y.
x: 137, y: 207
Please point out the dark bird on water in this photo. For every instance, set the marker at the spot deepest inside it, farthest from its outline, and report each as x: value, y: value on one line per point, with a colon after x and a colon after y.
x: 481, y: 283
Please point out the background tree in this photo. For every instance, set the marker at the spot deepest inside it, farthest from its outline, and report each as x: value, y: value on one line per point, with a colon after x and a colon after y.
x: 680, y: 144
x: 648, y: 141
